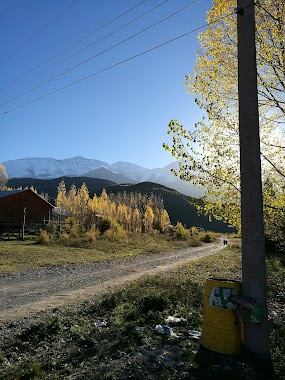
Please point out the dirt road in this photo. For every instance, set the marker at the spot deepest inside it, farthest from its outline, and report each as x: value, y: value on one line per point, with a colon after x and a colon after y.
x: 48, y: 287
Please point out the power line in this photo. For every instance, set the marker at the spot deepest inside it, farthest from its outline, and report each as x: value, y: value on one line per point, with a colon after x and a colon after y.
x: 5, y: 1
x: 27, y: 42
x: 77, y: 42
x: 80, y: 51
x: 2, y: 14
x: 119, y: 63
x: 102, y: 52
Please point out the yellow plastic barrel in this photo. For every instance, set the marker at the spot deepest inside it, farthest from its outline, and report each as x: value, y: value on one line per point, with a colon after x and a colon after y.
x: 221, y: 329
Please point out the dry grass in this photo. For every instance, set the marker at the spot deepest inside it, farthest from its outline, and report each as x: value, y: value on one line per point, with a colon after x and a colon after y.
x: 16, y: 256
x: 67, y: 344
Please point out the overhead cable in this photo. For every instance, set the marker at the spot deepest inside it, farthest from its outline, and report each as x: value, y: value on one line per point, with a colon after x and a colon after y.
x: 5, y: 1
x: 44, y: 28
x: 118, y: 63
x: 87, y: 47
x: 75, y: 43
x: 2, y: 14
x: 102, y: 52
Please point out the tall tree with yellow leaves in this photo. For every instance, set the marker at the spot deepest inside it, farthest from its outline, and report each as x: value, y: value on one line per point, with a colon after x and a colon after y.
x: 209, y: 153
x: 61, y: 199
x: 148, y: 220
x: 83, y: 204
x: 164, y: 220
x: 136, y: 221
x: 72, y: 202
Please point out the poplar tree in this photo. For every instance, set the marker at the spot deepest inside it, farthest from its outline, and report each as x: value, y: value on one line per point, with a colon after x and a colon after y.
x: 61, y: 199
x: 164, y: 220
x: 83, y: 205
x: 72, y: 201
x: 148, y: 219
x: 208, y: 154
x: 136, y: 221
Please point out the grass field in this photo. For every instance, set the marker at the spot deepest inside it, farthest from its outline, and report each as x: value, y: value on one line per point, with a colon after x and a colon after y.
x: 67, y: 344
x: 16, y: 255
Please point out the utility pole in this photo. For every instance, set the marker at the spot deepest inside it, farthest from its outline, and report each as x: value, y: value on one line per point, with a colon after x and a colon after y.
x: 254, y: 284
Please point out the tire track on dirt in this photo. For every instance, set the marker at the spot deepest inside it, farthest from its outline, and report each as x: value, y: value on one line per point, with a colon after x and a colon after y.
x: 49, y: 287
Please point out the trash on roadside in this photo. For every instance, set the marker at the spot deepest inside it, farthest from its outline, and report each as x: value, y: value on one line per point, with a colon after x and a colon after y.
x: 139, y: 328
x: 165, y: 330
x: 174, y: 320
x: 194, y: 334
x: 101, y: 324
x: 275, y: 319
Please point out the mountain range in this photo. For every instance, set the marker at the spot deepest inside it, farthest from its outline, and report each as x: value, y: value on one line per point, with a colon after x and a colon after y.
x: 119, y: 172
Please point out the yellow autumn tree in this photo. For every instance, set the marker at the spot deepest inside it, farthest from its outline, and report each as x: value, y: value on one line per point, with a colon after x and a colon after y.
x: 122, y: 215
x: 83, y: 204
x: 209, y: 153
x: 148, y: 219
x: 136, y: 221
x: 104, y: 203
x: 164, y: 220
x: 72, y: 203
x: 61, y: 199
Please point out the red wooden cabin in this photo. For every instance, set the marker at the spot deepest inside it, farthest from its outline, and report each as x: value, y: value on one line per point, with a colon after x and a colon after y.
x: 17, y: 205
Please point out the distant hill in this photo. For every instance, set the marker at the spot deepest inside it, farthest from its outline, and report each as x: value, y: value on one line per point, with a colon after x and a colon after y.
x: 176, y: 204
x: 119, y: 172
x: 95, y: 185
x: 107, y: 174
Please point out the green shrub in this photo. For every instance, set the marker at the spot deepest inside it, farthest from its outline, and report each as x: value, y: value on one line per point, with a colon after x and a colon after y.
x: 194, y: 242
x: 115, y: 231
x: 151, y: 302
x: 64, y: 236
x: 46, y: 329
x: 194, y: 231
x: 92, y: 235
x: 74, y: 231
x: 206, y: 238
x: 44, y: 237
x: 51, y: 228
x: 180, y: 232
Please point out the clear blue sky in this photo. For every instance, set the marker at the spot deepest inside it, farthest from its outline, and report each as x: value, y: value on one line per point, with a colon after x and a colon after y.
x: 119, y: 115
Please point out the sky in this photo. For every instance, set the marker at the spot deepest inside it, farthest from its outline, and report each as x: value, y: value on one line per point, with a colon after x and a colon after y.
x: 118, y: 114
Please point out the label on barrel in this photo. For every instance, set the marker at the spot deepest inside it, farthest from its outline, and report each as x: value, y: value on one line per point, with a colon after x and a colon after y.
x: 220, y: 298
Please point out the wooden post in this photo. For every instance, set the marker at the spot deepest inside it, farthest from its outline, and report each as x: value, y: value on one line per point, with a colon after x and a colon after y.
x: 24, y: 223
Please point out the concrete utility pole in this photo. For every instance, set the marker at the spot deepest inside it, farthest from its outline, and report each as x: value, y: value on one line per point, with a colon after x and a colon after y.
x: 253, y: 248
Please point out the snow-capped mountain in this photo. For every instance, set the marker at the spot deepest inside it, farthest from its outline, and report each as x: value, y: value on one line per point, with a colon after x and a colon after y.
x: 120, y: 172
x: 46, y: 168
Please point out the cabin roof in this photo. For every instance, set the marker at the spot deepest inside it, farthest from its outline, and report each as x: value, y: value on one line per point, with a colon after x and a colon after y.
x: 11, y: 192
x: 4, y: 194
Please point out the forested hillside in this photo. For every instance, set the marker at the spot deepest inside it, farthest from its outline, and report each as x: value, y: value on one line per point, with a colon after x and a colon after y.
x: 176, y: 204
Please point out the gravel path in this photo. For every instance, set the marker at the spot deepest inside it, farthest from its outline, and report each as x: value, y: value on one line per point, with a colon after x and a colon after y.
x: 48, y: 287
